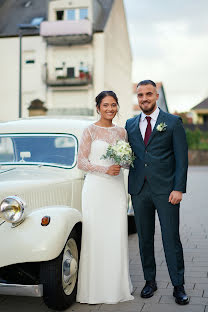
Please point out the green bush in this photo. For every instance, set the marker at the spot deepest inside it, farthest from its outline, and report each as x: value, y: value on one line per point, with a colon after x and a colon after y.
x: 197, y: 139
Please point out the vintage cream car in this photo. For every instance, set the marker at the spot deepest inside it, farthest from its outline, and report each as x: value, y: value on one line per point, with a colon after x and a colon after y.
x: 40, y: 210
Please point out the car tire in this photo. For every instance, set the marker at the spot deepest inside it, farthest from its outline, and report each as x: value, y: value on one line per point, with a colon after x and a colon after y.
x: 59, y: 276
x: 131, y: 225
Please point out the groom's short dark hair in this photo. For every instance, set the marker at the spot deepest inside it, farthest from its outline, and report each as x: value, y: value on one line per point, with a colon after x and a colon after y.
x: 146, y: 82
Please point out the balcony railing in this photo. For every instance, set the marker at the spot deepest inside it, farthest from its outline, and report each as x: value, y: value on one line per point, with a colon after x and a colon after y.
x: 66, y: 32
x: 65, y: 81
x: 67, y: 76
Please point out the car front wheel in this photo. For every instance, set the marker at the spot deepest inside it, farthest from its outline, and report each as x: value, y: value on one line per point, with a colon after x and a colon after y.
x: 59, y: 276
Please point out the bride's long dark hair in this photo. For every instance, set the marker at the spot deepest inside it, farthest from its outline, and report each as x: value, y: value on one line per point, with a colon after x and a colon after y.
x: 102, y: 95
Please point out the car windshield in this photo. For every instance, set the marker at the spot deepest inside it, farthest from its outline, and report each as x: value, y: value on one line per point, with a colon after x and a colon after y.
x: 24, y: 149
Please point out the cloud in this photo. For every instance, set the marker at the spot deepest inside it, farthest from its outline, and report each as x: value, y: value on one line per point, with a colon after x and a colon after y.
x: 170, y: 44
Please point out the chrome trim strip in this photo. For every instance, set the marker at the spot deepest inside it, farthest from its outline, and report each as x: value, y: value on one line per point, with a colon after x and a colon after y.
x: 21, y: 290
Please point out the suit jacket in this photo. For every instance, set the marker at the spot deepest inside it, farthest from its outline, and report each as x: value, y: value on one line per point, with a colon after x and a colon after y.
x: 164, y: 161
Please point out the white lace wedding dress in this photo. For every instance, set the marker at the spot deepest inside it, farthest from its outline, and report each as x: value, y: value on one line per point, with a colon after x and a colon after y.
x: 104, y: 263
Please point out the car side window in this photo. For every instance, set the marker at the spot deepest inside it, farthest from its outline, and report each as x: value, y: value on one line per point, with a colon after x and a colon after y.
x: 6, y: 149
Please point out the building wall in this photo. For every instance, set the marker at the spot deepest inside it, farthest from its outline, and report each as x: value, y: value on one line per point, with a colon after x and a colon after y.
x: 9, y: 64
x: 33, y: 49
x: 118, y: 60
x: 99, y: 65
x: 161, y: 100
x: 33, y: 86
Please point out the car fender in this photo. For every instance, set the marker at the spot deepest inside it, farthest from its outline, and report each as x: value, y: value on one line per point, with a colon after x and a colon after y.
x: 32, y: 242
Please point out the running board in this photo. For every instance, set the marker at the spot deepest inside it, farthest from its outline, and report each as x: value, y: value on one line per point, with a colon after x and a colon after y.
x: 21, y: 290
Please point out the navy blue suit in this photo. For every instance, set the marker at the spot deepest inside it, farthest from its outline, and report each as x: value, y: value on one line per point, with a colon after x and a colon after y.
x: 159, y: 168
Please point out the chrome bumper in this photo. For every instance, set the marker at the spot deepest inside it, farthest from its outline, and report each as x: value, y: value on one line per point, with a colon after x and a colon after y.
x: 21, y: 290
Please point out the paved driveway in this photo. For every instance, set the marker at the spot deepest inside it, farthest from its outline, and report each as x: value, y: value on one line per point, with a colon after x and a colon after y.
x: 194, y: 234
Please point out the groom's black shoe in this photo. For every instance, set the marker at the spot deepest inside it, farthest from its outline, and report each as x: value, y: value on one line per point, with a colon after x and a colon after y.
x: 180, y: 295
x: 148, y: 290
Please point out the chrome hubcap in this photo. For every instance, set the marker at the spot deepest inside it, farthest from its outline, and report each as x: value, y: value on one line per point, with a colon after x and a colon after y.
x: 69, y: 266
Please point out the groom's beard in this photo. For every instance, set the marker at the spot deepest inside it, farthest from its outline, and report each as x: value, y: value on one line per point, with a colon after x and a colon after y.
x: 149, y: 109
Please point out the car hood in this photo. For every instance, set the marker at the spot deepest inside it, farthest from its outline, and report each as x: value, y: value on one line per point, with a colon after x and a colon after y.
x: 37, y: 186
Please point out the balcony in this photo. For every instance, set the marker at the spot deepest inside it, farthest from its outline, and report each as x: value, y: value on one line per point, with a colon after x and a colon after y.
x: 67, y: 32
x: 64, y: 76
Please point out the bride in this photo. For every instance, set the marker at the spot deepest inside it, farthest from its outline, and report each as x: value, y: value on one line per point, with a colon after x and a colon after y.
x: 104, y: 264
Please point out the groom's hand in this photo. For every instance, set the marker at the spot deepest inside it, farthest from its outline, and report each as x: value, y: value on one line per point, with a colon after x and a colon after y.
x: 175, y: 197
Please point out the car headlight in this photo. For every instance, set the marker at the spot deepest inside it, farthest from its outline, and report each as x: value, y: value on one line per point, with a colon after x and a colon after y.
x: 12, y: 209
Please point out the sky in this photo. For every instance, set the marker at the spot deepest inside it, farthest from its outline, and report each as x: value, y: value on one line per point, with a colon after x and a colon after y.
x: 169, y: 43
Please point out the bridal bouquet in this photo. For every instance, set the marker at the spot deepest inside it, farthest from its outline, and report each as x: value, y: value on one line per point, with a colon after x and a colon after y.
x: 121, y: 153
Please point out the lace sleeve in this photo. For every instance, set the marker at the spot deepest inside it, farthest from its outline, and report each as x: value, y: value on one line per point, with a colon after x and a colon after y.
x: 83, y: 162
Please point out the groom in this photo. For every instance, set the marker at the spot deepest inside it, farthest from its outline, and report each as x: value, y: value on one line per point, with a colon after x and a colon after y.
x: 157, y: 182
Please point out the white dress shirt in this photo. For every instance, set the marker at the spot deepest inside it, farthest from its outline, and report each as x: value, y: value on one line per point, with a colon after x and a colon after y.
x: 143, y: 121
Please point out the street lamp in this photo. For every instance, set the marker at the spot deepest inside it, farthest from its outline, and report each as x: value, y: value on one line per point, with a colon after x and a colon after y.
x: 21, y: 28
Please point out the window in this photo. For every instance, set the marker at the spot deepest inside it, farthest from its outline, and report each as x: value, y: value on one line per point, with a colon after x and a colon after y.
x: 29, y: 57
x: 30, y: 62
x: 59, y: 72
x: 83, y: 13
x: 46, y: 149
x: 59, y: 15
x: 70, y: 72
x: 6, y: 149
x: 37, y: 21
x: 70, y: 15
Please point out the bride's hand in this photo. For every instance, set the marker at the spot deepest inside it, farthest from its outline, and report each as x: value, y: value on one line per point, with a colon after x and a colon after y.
x: 114, y: 170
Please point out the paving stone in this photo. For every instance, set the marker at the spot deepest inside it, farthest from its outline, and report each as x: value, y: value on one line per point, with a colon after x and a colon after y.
x: 197, y: 274
x: 193, y: 300
x: 154, y: 299
x: 160, y: 285
x: 196, y: 269
x: 199, y: 300
x: 21, y: 304
x: 136, y: 278
x: 172, y: 308
x: 138, y: 284
x: 169, y: 292
x: 205, y: 293
x: 201, y: 280
x: 78, y: 307
x: 2, y: 298
x: 187, y: 286
x: 196, y: 264
x: 124, y: 306
x: 200, y: 258
x: 201, y: 286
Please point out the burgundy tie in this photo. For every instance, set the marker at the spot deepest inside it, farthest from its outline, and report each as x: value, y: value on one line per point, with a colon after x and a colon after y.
x: 148, y: 130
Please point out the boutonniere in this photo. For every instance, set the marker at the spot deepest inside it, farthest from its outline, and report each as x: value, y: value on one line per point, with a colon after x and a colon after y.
x: 161, y: 127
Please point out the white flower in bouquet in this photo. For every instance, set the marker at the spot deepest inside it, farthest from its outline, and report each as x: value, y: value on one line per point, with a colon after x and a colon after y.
x: 121, y: 153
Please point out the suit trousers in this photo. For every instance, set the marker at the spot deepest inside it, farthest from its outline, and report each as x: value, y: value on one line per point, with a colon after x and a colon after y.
x: 145, y: 204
